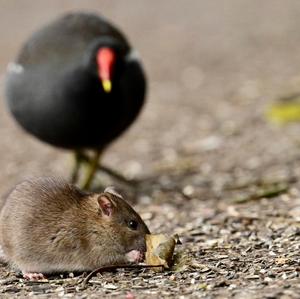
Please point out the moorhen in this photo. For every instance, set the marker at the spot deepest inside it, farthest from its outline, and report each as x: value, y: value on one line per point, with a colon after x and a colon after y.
x: 76, y: 84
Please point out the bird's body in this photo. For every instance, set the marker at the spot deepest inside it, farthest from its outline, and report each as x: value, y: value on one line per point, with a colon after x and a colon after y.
x: 54, y: 91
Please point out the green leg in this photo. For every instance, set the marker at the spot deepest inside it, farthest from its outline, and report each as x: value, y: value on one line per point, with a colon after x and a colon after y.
x: 92, y: 167
x: 112, y: 173
x: 77, y: 162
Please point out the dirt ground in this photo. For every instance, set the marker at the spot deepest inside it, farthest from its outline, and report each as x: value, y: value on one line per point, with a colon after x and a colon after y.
x: 210, y: 166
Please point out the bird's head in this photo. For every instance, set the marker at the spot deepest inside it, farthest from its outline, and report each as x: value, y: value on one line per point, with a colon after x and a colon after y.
x: 106, y: 59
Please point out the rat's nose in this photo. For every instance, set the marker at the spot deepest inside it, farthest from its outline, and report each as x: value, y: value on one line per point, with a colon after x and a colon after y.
x: 142, y: 245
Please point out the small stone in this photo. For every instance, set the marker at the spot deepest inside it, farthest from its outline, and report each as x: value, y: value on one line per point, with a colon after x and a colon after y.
x: 188, y: 190
x: 110, y: 286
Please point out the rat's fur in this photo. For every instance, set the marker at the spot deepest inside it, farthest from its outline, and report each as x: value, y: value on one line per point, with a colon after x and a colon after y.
x: 48, y: 225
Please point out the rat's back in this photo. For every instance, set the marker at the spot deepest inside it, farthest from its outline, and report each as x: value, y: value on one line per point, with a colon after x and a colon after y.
x: 39, y: 195
x: 34, y: 207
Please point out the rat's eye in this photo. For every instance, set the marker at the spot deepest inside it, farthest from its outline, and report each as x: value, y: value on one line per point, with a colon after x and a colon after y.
x: 132, y: 224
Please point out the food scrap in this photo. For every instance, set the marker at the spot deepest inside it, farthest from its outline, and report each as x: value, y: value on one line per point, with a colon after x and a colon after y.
x: 160, y: 249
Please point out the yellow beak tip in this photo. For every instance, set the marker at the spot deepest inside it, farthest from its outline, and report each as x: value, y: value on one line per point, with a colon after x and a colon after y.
x: 106, y: 85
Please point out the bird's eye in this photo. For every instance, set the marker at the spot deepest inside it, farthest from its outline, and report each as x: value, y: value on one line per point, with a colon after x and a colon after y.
x: 132, y: 224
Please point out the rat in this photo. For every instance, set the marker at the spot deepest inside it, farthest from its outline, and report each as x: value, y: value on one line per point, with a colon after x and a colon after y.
x: 48, y: 226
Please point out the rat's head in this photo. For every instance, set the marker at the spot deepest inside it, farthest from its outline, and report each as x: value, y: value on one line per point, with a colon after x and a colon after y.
x: 125, y: 228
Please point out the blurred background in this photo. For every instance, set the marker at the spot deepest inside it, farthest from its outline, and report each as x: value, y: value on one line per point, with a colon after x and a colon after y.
x: 218, y: 166
x: 214, y: 67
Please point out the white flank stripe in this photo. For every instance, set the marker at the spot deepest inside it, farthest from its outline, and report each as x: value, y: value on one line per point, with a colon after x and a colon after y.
x: 133, y: 55
x: 13, y: 67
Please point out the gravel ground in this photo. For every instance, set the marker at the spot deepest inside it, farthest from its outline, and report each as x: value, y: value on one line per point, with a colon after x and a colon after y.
x: 210, y: 166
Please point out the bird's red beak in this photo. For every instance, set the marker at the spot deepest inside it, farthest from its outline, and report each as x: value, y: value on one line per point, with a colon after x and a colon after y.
x: 106, y: 58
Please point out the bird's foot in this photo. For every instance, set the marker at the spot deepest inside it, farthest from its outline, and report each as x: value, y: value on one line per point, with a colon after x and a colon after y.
x: 92, y: 166
x: 118, y: 176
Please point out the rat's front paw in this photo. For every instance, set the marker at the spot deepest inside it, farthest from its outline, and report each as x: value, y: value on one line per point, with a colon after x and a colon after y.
x: 135, y: 256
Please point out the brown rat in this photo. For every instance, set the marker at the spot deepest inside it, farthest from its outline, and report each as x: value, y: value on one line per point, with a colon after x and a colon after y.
x: 48, y: 225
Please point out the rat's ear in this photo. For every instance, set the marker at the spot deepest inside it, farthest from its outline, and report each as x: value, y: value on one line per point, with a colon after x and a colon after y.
x: 113, y: 191
x: 106, y: 205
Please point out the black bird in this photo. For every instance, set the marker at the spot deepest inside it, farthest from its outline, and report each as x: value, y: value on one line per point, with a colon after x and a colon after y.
x: 76, y: 84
